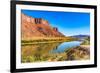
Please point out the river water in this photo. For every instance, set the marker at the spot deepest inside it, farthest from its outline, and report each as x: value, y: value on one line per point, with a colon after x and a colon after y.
x: 47, y: 48
x: 64, y: 46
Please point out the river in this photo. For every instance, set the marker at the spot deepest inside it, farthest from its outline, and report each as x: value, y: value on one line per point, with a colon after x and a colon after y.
x: 45, y: 51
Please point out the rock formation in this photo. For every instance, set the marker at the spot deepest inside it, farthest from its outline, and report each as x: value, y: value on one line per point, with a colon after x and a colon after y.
x: 37, y: 27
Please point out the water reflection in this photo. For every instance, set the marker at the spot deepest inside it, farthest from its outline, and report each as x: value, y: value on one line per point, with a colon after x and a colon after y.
x: 64, y: 46
x: 43, y: 51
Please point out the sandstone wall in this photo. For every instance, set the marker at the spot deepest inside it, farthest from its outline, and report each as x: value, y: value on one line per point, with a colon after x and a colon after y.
x: 33, y: 20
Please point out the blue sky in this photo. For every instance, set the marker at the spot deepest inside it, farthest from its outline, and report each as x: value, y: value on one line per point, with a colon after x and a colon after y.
x: 68, y: 23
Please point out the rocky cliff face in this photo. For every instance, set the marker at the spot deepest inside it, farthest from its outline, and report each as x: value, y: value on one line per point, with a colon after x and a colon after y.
x: 37, y: 27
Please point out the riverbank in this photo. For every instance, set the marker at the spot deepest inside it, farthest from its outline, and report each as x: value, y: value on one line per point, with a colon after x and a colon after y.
x: 40, y: 40
x: 38, y: 49
x: 81, y: 52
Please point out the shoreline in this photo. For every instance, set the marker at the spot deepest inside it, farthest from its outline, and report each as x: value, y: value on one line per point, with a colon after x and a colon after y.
x: 47, y: 40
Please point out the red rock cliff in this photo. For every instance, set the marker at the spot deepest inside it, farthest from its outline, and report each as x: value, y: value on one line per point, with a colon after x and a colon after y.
x: 37, y: 27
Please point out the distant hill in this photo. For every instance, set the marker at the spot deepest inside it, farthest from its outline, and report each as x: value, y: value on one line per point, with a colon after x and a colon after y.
x: 80, y: 36
x: 37, y: 27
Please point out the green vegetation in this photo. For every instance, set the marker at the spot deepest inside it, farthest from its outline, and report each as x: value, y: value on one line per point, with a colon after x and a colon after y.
x: 38, y: 52
x: 49, y: 40
x: 76, y: 53
x: 86, y: 41
x: 35, y: 53
x: 50, y: 57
